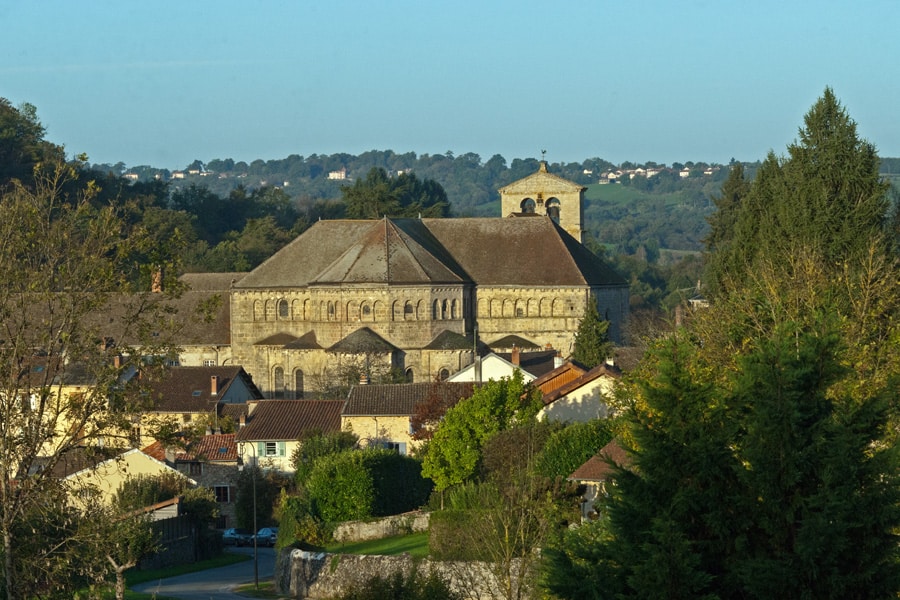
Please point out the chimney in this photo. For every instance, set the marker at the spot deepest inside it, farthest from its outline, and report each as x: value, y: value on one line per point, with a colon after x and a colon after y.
x: 156, y: 285
x: 557, y: 360
x: 477, y: 369
x: 364, y: 379
x: 515, y: 356
x: 117, y: 361
x: 214, y: 385
x: 242, y: 421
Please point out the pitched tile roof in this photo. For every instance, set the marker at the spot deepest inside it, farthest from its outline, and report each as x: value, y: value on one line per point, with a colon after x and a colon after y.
x: 600, y: 466
x: 219, y: 447
x: 450, y: 340
x: 362, y: 341
x: 486, y: 251
x: 189, y: 389
x: 211, y: 281
x: 286, y: 420
x: 400, y: 399
x: 600, y: 370
x: 387, y: 254
x: 558, y: 377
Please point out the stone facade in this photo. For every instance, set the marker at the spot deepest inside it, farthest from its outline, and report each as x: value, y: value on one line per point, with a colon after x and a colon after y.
x: 544, y: 193
x: 413, y: 294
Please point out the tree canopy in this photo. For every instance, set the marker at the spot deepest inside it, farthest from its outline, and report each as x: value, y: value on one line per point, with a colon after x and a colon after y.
x: 379, y: 195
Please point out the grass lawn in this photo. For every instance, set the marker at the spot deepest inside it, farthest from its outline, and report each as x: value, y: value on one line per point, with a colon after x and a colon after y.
x: 416, y: 544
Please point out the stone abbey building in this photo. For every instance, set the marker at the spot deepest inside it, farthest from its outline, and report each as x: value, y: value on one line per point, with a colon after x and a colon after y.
x: 419, y: 295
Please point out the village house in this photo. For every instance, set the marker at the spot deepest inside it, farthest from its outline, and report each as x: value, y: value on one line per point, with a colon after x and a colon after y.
x: 271, y: 431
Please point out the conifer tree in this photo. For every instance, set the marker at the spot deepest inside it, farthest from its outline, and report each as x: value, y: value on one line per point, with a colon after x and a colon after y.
x: 592, y: 345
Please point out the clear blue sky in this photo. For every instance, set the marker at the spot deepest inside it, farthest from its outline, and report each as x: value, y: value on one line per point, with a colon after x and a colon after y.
x: 164, y: 83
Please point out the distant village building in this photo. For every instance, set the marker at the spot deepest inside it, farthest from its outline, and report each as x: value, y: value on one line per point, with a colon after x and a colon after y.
x: 338, y: 175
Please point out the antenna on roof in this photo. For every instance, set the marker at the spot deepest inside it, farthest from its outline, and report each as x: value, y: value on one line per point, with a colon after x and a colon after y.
x: 543, y: 154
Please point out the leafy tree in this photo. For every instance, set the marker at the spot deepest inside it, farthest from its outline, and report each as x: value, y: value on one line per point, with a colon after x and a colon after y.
x: 592, y: 345
x: 454, y: 454
x: 22, y: 144
x: 378, y: 196
x: 315, y: 445
x: 360, y: 484
x: 64, y: 261
x: 568, y: 448
x: 264, y: 496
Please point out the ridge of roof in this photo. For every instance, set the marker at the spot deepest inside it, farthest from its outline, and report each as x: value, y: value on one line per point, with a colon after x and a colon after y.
x: 595, y: 373
x: 360, y: 341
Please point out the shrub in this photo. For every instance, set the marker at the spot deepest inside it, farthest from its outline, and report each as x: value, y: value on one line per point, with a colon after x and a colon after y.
x: 398, y: 586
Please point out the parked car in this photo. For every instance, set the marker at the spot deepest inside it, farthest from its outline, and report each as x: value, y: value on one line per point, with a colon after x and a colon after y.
x: 237, y: 537
x: 267, y: 536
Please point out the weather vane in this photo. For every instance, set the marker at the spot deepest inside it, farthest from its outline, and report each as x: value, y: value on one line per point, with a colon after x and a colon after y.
x: 543, y: 154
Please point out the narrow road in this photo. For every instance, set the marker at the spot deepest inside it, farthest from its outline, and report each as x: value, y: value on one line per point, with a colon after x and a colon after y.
x: 213, y: 584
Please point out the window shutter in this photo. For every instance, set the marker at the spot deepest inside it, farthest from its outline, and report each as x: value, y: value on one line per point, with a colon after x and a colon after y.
x: 260, y: 449
x: 281, y: 448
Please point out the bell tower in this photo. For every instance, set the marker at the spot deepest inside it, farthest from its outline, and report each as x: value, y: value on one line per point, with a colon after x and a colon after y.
x: 546, y: 194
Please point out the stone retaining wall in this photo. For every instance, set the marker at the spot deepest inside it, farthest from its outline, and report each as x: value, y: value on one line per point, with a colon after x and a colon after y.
x: 317, y: 576
x: 358, y: 531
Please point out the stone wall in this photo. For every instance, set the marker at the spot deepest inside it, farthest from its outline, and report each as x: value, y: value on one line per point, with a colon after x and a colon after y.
x: 317, y: 576
x: 358, y: 531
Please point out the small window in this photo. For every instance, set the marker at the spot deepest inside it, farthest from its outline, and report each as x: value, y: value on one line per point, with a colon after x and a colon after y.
x: 366, y: 310
x: 196, y: 468
x: 186, y: 418
x: 284, y: 310
x: 527, y: 205
x: 520, y: 312
x: 410, y: 376
x: 209, y: 363
x: 444, y: 374
x: 330, y: 310
x: 223, y: 493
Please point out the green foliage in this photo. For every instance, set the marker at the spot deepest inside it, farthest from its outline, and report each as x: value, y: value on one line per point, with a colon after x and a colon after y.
x: 592, y: 345
x: 297, y: 523
x: 378, y: 196
x: 340, y: 487
x: 267, y: 488
x: 449, y: 535
x: 146, y: 490
x: 454, y: 454
x: 314, y: 445
x: 826, y: 197
x: 513, y: 451
x: 756, y: 485
x: 568, y: 448
x: 399, y: 586
x: 360, y: 484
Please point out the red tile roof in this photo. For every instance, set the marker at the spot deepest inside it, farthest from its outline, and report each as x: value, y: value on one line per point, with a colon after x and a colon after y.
x: 600, y: 370
x: 600, y: 466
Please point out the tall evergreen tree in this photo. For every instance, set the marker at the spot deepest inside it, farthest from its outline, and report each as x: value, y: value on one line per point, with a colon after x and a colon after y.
x: 592, y: 345
x: 722, y: 223
x: 826, y: 197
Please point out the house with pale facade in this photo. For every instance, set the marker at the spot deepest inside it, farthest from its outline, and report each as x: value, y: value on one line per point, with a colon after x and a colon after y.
x: 271, y: 431
x: 596, y: 472
x: 100, y: 482
x: 382, y: 415
x: 572, y: 395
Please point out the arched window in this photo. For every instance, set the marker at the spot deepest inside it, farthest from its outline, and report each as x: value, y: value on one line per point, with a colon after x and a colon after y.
x: 331, y: 310
x: 258, y: 314
x: 435, y: 310
x: 443, y: 374
x: 444, y: 310
x: 366, y: 311
x: 298, y: 384
x: 527, y: 205
x: 278, y: 387
x: 408, y: 310
x: 410, y: 376
x: 553, y: 209
x: 284, y: 309
x: 454, y: 309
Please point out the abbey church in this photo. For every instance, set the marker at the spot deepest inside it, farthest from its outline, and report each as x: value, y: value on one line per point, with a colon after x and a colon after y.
x: 419, y: 296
